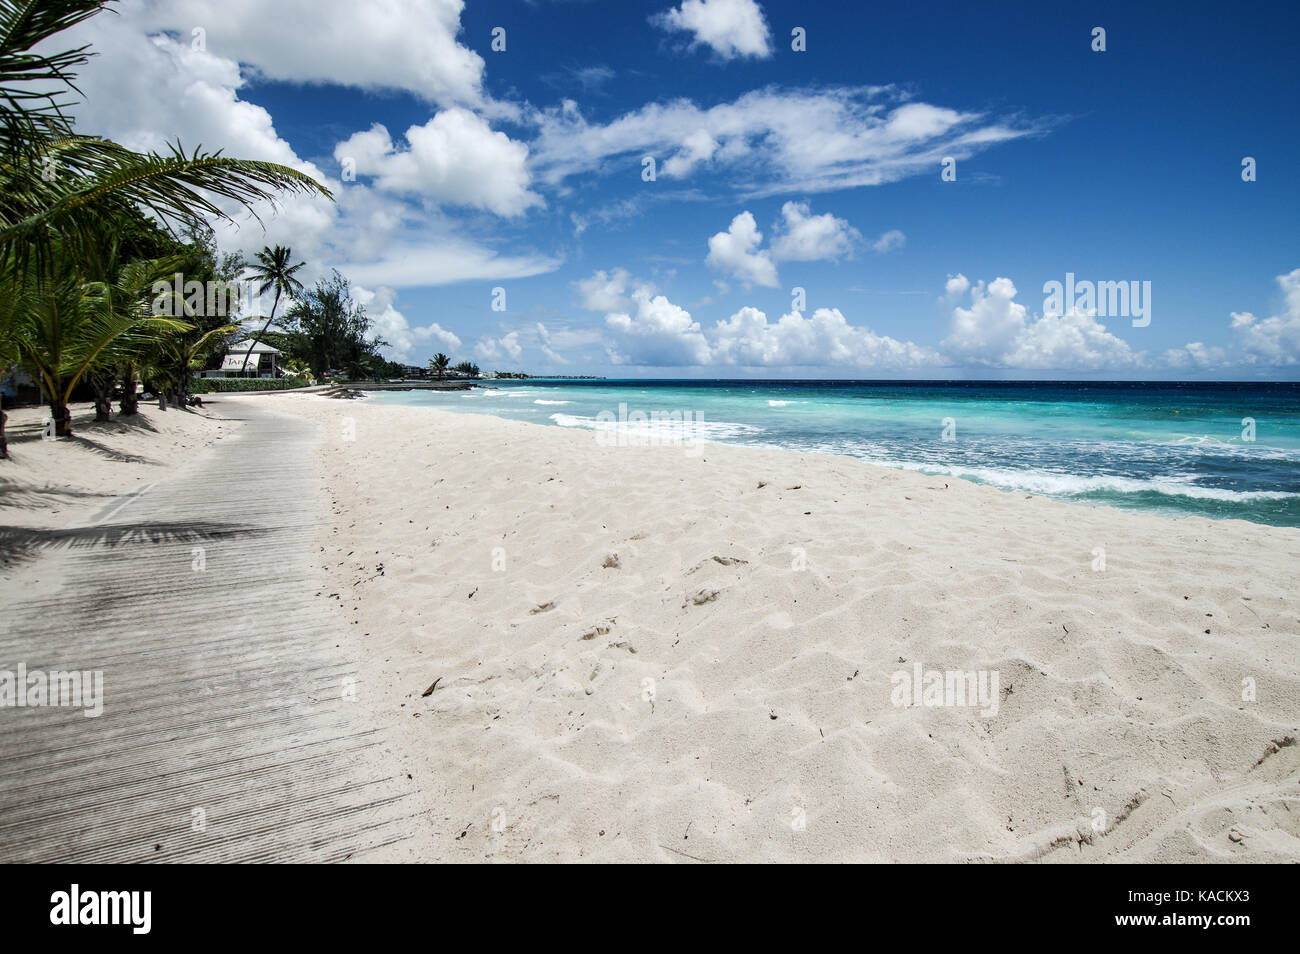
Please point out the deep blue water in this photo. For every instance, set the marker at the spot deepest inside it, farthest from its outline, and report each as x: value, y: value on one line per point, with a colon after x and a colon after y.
x: 1180, y: 448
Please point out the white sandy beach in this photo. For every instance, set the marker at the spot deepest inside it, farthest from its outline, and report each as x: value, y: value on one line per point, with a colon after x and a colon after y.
x: 663, y: 654
x: 631, y: 665
x: 49, y: 483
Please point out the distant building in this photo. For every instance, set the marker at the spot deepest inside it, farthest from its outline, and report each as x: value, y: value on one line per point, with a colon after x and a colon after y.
x: 264, y: 362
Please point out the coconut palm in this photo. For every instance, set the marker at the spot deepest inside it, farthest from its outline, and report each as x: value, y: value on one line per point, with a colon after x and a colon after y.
x: 60, y: 193
x: 67, y: 327
x: 93, y: 175
x: 177, y: 355
x: 56, y: 185
x: 29, y: 114
x: 300, y: 368
x: 273, y: 271
x: 438, y: 364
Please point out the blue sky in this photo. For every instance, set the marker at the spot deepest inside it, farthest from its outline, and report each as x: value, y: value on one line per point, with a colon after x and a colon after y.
x: 522, y: 170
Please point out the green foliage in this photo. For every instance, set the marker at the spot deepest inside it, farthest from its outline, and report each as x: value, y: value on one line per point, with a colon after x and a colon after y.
x: 211, y: 385
x: 66, y: 325
x: 86, y: 226
x: 32, y: 85
x: 330, y: 331
x: 390, y: 369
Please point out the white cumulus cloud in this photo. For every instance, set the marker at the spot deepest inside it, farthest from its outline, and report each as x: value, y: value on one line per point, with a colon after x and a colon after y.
x: 823, y: 339
x: 803, y: 237
x: 391, y: 325
x: 735, y: 253
x: 889, y: 241
x: 731, y: 28
x: 455, y: 158
x: 1273, y: 341
x: 605, y: 291
x: 384, y: 44
x: 657, y: 334
x: 997, y: 331
x: 145, y: 88
x: 956, y: 286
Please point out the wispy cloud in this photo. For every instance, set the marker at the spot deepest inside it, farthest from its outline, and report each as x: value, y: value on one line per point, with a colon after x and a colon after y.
x: 773, y: 141
x: 444, y: 263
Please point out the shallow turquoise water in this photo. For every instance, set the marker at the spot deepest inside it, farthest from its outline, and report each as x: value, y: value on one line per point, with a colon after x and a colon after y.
x: 1179, y: 448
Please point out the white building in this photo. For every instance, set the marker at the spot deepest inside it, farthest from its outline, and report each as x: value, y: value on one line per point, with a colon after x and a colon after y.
x: 264, y: 362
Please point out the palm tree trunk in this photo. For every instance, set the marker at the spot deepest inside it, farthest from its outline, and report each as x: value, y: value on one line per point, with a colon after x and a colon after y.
x: 62, y: 417
x: 103, y: 385
x: 4, y: 443
x: 130, y: 399
x: 274, y: 305
x: 57, y: 398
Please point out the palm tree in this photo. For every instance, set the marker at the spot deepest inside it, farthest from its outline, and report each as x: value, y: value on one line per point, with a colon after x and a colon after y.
x: 273, y: 271
x: 55, y: 184
x: 29, y: 114
x: 301, y: 368
x: 438, y: 364
x: 61, y: 192
x: 107, y: 271
x: 68, y: 325
x: 177, y: 356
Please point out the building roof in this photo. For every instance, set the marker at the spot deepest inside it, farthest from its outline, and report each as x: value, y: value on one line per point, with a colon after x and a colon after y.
x: 259, y: 347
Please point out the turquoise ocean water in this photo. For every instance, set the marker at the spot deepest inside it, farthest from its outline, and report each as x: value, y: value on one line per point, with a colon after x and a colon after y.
x: 1178, y: 448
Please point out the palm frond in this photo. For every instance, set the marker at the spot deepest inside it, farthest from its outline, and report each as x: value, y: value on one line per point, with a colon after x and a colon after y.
x: 95, y: 175
x: 30, y: 112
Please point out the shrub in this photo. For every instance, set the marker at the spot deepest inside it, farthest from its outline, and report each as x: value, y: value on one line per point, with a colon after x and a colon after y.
x: 209, y: 385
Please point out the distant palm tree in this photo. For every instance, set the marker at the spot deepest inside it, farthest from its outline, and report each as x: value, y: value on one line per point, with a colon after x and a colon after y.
x: 438, y: 364
x: 273, y: 271
x: 300, y: 368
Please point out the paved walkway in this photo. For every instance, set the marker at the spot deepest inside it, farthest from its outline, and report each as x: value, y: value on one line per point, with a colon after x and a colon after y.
x: 226, y: 733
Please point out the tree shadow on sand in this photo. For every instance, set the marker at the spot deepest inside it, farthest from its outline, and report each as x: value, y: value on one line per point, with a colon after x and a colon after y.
x: 108, y: 452
x: 14, y: 494
x: 22, y: 544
